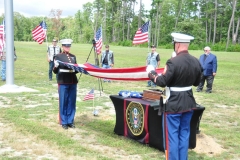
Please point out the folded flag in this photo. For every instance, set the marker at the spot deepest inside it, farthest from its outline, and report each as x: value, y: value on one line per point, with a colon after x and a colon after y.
x: 132, y: 94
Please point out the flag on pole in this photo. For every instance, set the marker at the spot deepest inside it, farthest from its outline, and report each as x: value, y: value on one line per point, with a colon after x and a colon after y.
x: 1, y: 44
x: 141, y: 35
x: 90, y: 95
x: 39, y: 32
x: 98, y: 39
x: 2, y: 27
x: 2, y: 32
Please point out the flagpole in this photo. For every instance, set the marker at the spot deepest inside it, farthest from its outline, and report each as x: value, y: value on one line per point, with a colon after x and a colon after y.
x: 149, y: 34
x: 93, y: 106
x: 46, y: 35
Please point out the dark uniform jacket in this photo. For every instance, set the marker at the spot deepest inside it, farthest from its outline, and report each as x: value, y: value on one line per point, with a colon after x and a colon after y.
x: 65, y: 77
x: 183, y: 70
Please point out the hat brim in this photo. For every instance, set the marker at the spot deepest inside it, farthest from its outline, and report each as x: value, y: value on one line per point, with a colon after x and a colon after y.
x: 66, y: 45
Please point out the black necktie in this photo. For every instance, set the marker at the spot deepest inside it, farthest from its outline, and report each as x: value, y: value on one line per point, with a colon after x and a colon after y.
x: 54, y: 50
x: 205, y: 56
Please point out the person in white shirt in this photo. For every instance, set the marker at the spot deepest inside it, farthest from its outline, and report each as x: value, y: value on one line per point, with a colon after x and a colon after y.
x: 52, y: 51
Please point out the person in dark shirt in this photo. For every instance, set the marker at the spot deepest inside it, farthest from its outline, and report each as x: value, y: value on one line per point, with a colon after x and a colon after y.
x: 67, y: 85
x: 107, y: 59
x: 153, y: 59
x: 181, y: 72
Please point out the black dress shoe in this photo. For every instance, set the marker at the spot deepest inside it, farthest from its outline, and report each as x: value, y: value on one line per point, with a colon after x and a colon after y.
x: 71, y: 125
x: 208, y: 91
x: 64, y: 126
x: 199, y: 90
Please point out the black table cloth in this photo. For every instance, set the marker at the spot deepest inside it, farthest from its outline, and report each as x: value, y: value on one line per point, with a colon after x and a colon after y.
x: 151, y: 132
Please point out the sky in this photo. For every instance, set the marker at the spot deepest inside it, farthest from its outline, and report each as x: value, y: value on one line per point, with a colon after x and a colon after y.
x: 29, y: 8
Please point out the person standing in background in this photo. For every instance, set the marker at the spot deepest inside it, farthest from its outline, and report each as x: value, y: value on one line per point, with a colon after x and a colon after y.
x: 52, y: 51
x: 153, y: 59
x: 107, y: 59
x: 3, y: 59
x: 209, y: 65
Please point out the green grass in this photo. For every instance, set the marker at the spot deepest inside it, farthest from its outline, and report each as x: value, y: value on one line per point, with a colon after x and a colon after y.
x: 220, y: 119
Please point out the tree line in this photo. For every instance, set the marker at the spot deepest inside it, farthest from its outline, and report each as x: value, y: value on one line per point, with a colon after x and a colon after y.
x: 212, y: 22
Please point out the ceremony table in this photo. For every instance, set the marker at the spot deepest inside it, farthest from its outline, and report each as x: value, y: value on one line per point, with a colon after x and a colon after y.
x: 140, y: 120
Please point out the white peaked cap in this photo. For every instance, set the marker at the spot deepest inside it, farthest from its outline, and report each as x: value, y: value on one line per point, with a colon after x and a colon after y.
x: 66, y: 41
x: 179, y: 37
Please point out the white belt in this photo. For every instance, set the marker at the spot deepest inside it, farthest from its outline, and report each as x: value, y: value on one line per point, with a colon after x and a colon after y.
x: 179, y: 89
x: 66, y: 70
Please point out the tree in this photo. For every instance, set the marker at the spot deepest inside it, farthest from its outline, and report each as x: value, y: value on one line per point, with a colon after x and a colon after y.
x: 231, y: 22
x: 55, y: 16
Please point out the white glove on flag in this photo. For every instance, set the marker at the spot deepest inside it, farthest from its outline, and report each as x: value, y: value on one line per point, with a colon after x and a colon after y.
x: 56, y: 63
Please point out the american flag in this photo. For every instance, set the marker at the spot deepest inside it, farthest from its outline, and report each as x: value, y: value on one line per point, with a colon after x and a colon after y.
x: 98, y: 39
x: 2, y: 27
x: 141, y: 35
x: 90, y: 95
x: 2, y: 32
x: 39, y: 32
x: 76, y: 67
x: 121, y: 74
x: 1, y: 44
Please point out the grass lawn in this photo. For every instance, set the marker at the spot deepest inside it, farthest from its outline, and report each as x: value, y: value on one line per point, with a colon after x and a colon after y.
x: 29, y: 120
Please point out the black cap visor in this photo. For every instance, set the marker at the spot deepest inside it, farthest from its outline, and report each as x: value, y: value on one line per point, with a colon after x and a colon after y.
x: 66, y: 45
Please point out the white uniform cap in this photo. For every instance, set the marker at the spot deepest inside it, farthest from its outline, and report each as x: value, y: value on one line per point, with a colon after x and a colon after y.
x: 207, y: 48
x: 179, y: 37
x: 66, y: 42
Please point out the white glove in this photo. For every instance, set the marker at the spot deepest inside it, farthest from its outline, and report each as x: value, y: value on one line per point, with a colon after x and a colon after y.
x: 149, y: 68
x: 56, y: 63
x: 174, y: 54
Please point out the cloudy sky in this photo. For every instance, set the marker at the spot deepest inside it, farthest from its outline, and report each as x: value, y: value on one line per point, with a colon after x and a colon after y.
x: 30, y: 8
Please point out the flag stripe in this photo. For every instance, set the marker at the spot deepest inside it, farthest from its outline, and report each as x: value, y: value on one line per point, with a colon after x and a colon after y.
x: 2, y: 33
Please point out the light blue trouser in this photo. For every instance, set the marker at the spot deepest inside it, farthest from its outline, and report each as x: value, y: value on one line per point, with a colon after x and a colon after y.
x: 67, y: 103
x: 177, y: 132
x: 3, y: 70
x: 150, y: 83
x: 106, y: 67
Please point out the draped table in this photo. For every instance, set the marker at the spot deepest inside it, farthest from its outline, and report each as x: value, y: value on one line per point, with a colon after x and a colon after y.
x: 141, y: 120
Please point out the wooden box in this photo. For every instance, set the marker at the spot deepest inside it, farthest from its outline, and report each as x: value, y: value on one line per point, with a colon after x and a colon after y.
x: 153, y: 94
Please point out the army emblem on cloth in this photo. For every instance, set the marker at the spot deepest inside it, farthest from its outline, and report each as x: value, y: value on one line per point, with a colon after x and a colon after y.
x: 135, y: 118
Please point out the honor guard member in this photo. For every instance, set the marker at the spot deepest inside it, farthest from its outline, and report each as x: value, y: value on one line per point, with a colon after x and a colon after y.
x: 181, y: 72
x: 52, y: 51
x: 67, y: 85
